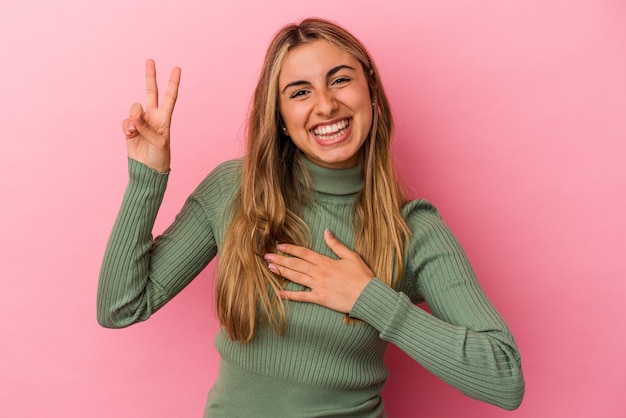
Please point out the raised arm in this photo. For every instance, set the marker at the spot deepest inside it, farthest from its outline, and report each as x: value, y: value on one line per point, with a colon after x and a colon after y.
x: 140, y: 274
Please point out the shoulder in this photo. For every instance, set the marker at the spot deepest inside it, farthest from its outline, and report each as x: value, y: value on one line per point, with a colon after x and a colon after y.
x: 227, y: 171
x: 221, y: 184
x: 225, y: 176
x: 420, y: 211
x: 427, y: 226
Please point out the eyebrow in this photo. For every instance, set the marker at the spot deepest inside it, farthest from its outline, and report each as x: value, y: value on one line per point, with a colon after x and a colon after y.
x: 329, y: 74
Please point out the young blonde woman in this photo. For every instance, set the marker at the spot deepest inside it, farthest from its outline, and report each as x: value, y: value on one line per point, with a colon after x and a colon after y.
x: 322, y: 258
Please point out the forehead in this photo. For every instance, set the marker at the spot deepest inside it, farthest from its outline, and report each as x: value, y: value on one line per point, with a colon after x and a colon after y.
x: 313, y: 60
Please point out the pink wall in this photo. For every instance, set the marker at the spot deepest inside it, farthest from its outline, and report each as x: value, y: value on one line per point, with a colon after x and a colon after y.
x: 510, y: 118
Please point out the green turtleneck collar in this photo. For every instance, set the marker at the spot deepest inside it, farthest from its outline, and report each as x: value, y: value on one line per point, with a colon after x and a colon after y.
x: 340, y: 182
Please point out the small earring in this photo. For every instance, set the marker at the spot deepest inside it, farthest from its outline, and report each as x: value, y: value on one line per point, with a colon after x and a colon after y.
x: 373, y: 104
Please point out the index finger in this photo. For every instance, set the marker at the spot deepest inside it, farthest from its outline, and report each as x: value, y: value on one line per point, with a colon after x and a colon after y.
x: 152, y: 91
x: 302, y: 253
x: 171, y: 94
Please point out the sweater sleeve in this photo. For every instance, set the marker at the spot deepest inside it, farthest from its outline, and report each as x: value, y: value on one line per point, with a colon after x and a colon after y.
x: 465, y: 341
x: 140, y: 274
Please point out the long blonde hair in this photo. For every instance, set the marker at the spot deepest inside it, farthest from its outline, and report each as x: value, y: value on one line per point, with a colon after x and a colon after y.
x: 266, y: 209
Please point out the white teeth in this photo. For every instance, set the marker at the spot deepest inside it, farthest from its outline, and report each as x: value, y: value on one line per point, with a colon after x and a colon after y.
x: 335, y: 130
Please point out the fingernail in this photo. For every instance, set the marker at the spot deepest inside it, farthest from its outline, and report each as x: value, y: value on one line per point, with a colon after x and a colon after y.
x: 131, y: 127
x: 269, y: 257
x: 272, y: 268
x: 280, y: 247
x: 328, y: 234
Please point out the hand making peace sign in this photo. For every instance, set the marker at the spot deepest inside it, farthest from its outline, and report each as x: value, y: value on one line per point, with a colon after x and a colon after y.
x: 148, y: 131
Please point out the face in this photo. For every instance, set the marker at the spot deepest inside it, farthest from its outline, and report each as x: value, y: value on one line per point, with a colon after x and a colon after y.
x: 325, y: 103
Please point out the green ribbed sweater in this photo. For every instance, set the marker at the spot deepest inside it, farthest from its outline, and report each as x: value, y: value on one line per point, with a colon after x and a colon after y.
x: 321, y: 366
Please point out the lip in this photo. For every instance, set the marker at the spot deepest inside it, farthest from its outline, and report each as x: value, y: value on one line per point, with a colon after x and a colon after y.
x: 334, y: 141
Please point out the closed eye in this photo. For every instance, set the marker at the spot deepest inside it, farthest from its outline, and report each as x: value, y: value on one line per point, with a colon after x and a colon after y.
x: 341, y: 80
x: 298, y: 93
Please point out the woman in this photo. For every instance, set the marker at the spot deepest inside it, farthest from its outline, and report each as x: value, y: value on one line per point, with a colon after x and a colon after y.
x: 307, y: 313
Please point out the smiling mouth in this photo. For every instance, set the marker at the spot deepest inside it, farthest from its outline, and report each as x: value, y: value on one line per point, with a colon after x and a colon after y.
x: 330, y: 132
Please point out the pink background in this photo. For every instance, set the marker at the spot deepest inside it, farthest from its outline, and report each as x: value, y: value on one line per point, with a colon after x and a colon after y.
x: 510, y: 118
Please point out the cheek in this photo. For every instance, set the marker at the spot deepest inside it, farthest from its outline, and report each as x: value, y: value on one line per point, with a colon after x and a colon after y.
x: 363, y: 102
x: 368, y: 114
x: 293, y: 116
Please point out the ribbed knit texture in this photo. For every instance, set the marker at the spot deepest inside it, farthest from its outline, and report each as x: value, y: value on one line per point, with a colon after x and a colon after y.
x: 465, y: 341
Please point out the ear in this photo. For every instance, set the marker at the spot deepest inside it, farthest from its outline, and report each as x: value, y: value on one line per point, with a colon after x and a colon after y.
x: 281, y: 125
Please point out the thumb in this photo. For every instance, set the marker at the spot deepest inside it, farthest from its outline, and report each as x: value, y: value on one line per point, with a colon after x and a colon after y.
x: 337, y: 246
x: 129, y: 126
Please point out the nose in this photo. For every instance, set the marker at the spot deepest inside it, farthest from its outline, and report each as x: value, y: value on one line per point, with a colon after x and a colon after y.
x: 326, y: 104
